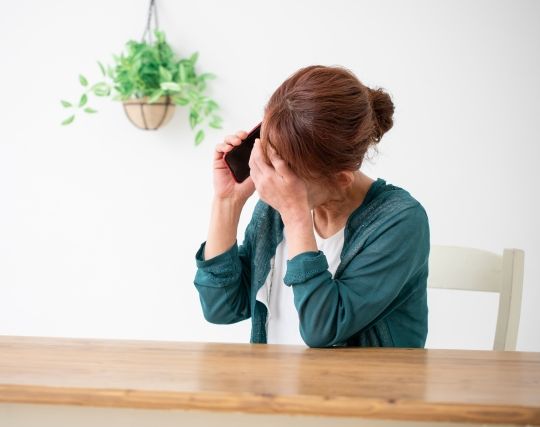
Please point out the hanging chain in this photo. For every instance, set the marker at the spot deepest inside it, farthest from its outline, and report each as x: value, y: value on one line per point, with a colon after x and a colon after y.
x: 148, y: 31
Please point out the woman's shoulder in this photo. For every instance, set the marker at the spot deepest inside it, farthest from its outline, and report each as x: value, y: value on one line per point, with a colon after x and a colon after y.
x: 387, y: 204
x: 392, y: 195
x: 388, y: 199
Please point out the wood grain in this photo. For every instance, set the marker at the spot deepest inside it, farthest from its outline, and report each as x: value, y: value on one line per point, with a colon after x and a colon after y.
x: 384, y: 383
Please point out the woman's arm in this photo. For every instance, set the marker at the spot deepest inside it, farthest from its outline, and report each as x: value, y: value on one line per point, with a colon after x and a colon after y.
x: 224, y: 269
x: 332, y: 310
x: 224, y: 281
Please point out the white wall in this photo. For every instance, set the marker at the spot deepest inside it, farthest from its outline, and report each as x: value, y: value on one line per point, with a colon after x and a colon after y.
x: 100, y: 221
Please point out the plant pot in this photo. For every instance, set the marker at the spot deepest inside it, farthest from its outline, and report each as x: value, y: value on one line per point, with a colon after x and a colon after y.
x: 149, y: 116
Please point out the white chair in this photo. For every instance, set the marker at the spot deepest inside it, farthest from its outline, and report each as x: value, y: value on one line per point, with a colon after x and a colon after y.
x: 452, y: 267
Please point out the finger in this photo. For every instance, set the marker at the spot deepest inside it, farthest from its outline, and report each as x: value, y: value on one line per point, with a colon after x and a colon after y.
x: 257, y: 158
x: 224, y: 147
x: 241, y: 134
x: 221, y: 149
x: 254, y: 172
x: 280, y: 165
x: 233, y: 140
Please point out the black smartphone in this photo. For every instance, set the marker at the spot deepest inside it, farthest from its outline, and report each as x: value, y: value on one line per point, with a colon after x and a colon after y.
x: 237, y: 159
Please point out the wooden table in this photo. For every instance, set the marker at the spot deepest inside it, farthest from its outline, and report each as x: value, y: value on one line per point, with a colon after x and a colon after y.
x: 348, y: 384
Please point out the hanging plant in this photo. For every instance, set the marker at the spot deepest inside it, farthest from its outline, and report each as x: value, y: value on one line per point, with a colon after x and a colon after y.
x: 151, y: 80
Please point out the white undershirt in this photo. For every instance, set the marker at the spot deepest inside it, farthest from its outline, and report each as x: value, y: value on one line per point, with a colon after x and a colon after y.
x: 282, y: 324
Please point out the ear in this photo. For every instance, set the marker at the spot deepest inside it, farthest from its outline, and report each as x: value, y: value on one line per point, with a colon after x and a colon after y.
x: 345, y: 178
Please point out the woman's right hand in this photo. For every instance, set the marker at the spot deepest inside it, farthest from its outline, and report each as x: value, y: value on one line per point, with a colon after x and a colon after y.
x: 225, y: 187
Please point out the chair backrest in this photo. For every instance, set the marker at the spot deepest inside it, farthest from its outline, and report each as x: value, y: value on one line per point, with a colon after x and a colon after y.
x: 453, y: 267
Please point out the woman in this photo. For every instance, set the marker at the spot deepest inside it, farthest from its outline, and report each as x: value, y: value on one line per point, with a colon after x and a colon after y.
x: 330, y: 256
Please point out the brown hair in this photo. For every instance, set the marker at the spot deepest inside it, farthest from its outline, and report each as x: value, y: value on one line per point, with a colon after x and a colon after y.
x: 322, y: 120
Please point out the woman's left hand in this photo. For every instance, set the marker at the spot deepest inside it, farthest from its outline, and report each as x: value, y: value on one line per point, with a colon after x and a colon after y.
x: 277, y: 184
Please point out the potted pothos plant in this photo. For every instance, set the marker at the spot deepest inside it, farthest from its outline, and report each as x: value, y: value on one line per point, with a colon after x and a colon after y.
x: 150, y: 80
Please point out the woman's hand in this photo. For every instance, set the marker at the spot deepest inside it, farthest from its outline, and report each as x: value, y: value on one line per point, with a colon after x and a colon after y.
x: 277, y: 184
x: 225, y: 187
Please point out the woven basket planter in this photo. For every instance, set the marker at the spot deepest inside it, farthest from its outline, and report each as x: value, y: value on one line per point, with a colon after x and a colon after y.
x: 149, y: 116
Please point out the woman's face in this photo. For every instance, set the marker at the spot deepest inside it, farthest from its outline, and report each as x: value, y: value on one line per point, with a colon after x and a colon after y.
x: 324, y: 192
x: 319, y: 192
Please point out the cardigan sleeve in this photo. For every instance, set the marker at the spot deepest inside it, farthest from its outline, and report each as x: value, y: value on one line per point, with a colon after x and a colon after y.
x: 224, y: 281
x: 331, y: 310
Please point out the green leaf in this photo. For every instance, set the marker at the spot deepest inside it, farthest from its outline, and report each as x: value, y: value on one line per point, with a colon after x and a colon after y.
x: 207, y: 76
x: 83, y: 100
x: 175, y: 87
x: 102, y: 92
x: 215, y: 122
x: 160, y: 36
x: 183, y: 75
x: 89, y: 110
x: 211, y: 105
x: 193, y: 58
x: 101, y: 89
x: 68, y: 120
x: 202, y: 86
x: 102, y: 68
x: 83, y: 80
x: 193, y: 95
x: 180, y: 101
x: 199, y: 137
x: 200, y: 119
x: 155, y: 96
x: 66, y: 104
x: 193, y: 116
x: 165, y: 74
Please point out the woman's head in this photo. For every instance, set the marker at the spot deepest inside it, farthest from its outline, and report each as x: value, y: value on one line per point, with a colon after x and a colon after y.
x: 322, y: 120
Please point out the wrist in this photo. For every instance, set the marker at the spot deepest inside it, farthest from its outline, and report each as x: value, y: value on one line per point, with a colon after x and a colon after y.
x: 298, y: 228
x: 297, y: 216
x: 232, y: 203
x: 223, y: 228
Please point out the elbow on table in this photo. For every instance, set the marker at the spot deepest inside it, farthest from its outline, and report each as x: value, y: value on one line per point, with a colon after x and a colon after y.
x: 316, y: 339
x: 215, y: 319
x: 219, y: 314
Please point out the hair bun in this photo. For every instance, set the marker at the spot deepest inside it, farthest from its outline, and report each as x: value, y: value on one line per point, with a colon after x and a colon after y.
x: 383, y: 112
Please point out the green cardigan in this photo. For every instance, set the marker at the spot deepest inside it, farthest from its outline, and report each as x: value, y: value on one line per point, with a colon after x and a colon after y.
x: 377, y: 297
